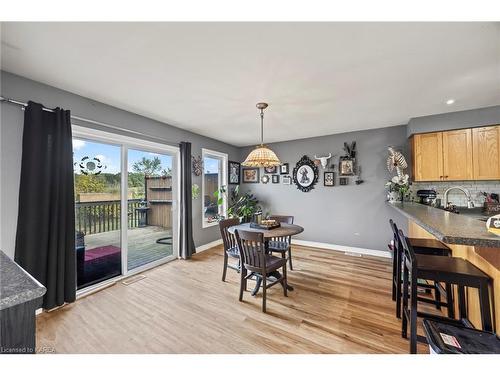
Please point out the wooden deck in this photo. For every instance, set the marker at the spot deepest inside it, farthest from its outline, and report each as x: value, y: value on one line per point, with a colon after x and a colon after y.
x: 341, y: 304
x: 142, y: 245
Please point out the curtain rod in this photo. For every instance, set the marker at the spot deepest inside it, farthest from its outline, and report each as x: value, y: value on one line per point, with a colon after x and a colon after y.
x: 23, y: 105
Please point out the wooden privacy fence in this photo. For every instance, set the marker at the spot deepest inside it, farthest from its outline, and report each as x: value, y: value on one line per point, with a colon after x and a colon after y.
x: 159, y: 198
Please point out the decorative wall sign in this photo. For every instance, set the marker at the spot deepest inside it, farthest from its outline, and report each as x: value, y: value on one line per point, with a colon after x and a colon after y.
x: 305, y: 174
x: 328, y: 179
x: 251, y: 175
x: 233, y: 171
x: 343, y: 181
x: 284, y: 168
x: 264, y: 179
x: 91, y: 166
x: 287, y: 180
x: 197, y: 165
x: 271, y: 170
x: 275, y: 178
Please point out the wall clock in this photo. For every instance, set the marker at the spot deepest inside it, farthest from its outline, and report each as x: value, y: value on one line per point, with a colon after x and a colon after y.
x: 305, y: 174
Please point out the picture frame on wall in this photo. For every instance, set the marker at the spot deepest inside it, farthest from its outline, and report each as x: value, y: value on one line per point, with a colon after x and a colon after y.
x: 328, y: 179
x: 287, y: 180
x: 346, y: 166
x: 343, y: 181
x: 271, y: 170
x: 284, y: 168
x: 250, y: 175
x: 233, y: 171
x: 275, y: 178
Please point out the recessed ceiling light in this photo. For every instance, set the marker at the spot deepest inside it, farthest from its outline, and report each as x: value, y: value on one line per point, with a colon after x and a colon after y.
x: 450, y: 101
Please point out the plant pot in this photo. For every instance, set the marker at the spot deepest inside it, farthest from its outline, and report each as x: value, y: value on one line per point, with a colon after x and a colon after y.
x: 394, y: 196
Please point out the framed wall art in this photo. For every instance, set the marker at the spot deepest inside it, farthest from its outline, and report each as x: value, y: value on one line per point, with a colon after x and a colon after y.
x: 305, y: 174
x: 284, y: 168
x: 250, y: 175
x: 275, y: 178
x: 287, y: 180
x: 328, y: 179
x: 233, y: 172
x: 270, y: 170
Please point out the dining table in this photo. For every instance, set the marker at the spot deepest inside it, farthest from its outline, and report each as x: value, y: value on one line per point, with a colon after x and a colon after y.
x: 284, y: 230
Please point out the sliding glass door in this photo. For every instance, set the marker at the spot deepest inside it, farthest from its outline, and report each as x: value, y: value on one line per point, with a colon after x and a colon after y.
x: 125, y: 204
x: 150, y: 215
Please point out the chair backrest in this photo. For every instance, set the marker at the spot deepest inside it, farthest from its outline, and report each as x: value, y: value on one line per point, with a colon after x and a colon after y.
x: 228, y: 239
x: 396, y: 239
x: 282, y: 218
x: 252, y: 249
x: 408, y: 252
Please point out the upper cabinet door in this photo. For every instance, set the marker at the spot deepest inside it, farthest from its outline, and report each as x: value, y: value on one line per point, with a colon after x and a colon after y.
x: 486, y: 151
x: 457, y: 155
x: 428, y: 157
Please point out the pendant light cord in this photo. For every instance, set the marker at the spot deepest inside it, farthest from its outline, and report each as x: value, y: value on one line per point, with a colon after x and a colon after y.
x: 261, y: 127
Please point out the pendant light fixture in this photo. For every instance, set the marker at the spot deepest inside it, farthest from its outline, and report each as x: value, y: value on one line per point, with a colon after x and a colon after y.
x: 261, y: 156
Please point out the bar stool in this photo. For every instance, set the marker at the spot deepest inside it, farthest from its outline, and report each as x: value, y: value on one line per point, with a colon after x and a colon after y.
x: 420, y: 246
x: 450, y: 270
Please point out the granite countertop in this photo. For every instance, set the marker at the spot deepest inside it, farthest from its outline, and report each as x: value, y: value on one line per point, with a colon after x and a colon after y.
x: 16, y: 285
x: 448, y: 227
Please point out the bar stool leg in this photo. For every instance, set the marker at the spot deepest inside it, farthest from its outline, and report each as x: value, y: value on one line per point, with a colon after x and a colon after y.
x: 484, y: 300
x: 404, y: 323
x: 413, y: 315
x: 398, y: 287
x: 449, y: 301
x: 437, y: 296
x: 394, y: 262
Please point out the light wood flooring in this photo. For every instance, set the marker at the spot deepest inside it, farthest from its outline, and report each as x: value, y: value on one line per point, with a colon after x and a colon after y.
x: 341, y: 304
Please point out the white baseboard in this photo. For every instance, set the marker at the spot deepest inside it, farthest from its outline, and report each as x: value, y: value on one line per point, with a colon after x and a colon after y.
x: 345, y: 249
x: 209, y: 245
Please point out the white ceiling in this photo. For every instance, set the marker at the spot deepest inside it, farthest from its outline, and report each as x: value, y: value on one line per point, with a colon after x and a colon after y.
x: 319, y: 78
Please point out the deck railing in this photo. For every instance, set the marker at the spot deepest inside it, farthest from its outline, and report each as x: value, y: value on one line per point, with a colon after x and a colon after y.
x: 104, y: 216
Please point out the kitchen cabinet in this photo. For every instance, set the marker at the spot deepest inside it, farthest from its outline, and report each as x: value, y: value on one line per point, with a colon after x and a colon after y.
x: 457, y: 155
x: 428, y: 157
x: 486, y: 153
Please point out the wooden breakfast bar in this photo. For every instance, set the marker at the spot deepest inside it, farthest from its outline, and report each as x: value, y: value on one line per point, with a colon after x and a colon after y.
x: 467, y: 237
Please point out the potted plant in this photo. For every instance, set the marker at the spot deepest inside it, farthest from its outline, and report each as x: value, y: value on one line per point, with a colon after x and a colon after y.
x: 243, y: 206
x: 398, y: 188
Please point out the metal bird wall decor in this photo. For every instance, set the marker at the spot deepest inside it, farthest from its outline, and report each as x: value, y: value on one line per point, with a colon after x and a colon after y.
x: 396, y: 160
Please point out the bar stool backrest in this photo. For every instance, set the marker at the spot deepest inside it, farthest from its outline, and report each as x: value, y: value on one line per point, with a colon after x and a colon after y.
x: 408, y: 252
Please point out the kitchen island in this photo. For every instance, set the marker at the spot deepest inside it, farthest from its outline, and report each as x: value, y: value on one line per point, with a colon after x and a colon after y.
x: 467, y: 237
x: 20, y: 296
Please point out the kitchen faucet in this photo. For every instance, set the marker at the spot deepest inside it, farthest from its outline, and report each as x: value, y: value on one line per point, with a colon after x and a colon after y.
x: 470, y: 203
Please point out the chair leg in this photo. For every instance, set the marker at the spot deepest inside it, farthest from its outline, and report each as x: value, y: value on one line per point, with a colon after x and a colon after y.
x: 284, y: 282
x: 404, y: 322
x: 290, y: 257
x: 462, y: 307
x: 449, y: 301
x: 413, y: 315
x: 225, y: 267
x: 242, y: 283
x: 264, y: 292
x: 437, y: 296
x: 394, y: 262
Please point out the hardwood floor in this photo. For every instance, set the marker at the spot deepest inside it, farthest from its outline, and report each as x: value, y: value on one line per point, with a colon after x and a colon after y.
x: 341, y: 304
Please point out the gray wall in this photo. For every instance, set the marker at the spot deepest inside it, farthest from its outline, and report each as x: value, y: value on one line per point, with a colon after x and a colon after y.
x: 328, y: 213
x: 22, y: 89
x: 455, y: 120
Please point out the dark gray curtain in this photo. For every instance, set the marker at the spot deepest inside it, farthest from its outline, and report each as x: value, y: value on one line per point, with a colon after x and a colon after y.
x: 45, y: 240
x: 186, y: 242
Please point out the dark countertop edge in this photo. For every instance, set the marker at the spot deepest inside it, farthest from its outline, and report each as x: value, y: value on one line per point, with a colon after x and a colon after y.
x: 452, y: 240
x: 29, y: 295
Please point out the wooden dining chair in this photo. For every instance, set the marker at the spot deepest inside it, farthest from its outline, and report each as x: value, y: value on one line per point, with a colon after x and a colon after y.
x: 282, y: 245
x: 256, y: 262
x: 230, y: 245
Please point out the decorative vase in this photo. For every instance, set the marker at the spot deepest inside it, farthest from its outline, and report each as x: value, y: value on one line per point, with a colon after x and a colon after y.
x: 394, y: 196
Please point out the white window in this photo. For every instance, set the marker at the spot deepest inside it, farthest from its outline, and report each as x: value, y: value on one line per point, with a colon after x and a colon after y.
x: 214, y: 178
